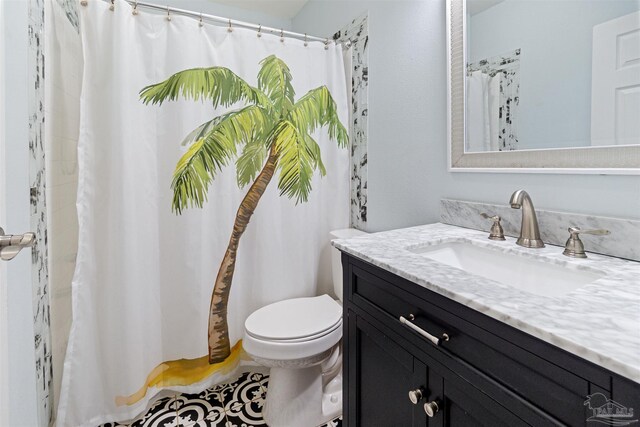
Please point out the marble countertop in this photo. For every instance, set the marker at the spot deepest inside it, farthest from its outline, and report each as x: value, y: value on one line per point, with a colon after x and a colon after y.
x: 599, y: 322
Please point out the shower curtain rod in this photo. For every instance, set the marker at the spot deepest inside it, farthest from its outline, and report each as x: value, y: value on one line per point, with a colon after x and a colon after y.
x: 231, y: 22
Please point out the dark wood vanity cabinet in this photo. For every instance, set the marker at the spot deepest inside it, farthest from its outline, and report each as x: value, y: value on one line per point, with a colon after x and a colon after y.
x: 380, y: 362
x: 486, y: 374
x: 385, y: 373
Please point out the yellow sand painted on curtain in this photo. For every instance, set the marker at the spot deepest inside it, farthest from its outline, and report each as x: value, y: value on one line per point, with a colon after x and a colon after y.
x: 183, y: 372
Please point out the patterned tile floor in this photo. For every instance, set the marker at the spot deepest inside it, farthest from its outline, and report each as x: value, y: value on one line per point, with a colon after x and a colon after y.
x: 235, y: 404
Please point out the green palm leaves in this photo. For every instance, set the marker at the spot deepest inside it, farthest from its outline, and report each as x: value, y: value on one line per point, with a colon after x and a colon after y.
x: 219, y: 84
x: 317, y: 108
x: 270, y: 117
x: 212, y: 146
x: 274, y: 79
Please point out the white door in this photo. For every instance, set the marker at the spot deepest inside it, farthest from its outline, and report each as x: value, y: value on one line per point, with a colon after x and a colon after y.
x: 4, y: 350
x: 615, y: 84
x: 18, y: 398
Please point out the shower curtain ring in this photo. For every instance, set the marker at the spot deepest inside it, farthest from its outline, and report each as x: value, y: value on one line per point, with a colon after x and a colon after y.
x: 84, y: 2
x: 306, y: 43
x: 259, y: 31
x: 168, y: 14
x: 200, y: 23
x: 112, y: 6
x: 281, y: 36
x: 135, y: 8
x: 230, y: 29
x: 326, y: 44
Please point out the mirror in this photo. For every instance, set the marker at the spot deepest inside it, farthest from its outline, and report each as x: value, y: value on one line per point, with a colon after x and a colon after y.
x: 542, y: 85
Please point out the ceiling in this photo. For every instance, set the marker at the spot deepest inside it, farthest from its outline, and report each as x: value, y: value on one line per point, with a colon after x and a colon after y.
x: 477, y: 6
x: 280, y: 8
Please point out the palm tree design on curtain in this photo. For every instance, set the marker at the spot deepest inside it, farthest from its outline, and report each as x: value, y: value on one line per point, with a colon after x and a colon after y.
x: 272, y: 133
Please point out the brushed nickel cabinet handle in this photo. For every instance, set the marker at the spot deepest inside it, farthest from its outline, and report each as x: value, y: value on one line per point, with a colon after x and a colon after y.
x: 431, y: 408
x: 435, y: 340
x: 415, y: 396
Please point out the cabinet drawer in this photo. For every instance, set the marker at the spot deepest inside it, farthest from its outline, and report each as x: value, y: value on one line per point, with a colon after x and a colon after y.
x: 557, y: 391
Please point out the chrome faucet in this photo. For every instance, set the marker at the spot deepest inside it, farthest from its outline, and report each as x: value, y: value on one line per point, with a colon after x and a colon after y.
x: 529, y: 232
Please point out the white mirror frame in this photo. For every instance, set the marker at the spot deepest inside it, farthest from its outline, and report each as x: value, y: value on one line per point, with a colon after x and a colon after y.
x: 620, y: 160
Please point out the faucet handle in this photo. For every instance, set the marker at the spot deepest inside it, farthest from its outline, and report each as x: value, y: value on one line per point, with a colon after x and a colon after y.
x: 577, y: 230
x: 574, y: 246
x: 496, y: 233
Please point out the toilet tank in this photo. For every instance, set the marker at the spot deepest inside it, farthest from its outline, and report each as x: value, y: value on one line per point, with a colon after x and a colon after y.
x: 336, y: 260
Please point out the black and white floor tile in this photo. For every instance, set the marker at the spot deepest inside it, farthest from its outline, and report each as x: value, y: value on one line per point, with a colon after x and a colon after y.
x: 235, y: 404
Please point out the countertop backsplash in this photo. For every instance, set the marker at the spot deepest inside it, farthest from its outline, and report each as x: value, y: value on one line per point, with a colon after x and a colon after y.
x: 623, y: 242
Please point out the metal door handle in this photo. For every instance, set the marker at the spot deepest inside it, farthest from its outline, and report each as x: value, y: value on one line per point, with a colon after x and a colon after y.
x: 12, y: 244
x: 422, y: 332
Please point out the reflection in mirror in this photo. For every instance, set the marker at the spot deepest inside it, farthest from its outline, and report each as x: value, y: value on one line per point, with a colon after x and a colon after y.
x: 552, y: 74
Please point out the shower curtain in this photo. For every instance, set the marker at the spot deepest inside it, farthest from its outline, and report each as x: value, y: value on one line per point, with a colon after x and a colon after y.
x: 144, y: 275
x: 483, y: 112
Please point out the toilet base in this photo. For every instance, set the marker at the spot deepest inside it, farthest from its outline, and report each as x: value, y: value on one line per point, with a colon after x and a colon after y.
x: 297, y: 398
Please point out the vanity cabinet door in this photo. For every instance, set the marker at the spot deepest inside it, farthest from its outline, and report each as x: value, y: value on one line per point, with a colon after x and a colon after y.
x: 460, y: 404
x: 381, y: 375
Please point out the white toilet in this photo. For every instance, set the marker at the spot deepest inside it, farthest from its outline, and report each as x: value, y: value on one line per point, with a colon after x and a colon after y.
x: 299, y: 339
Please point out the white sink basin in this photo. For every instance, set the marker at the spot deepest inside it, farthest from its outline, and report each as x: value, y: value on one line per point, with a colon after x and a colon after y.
x: 527, y: 274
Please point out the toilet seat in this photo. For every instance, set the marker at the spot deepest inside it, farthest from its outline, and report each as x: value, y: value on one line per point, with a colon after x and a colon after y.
x: 338, y: 325
x: 297, y: 319
x: 294, y: 329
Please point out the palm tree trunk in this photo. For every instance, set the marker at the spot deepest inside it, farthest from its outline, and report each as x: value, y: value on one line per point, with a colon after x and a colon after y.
x: 219, y: 346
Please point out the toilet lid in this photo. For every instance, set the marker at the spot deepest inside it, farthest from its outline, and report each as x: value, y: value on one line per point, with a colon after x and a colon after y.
x: 294, y: 318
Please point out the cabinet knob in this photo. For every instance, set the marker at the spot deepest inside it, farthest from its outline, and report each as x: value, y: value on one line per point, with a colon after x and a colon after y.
x: 431, y: 408
x: 415, y: 396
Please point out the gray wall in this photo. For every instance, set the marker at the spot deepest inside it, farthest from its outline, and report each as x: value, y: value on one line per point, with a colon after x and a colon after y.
x: 23, y: 404
x: 407, y: 124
